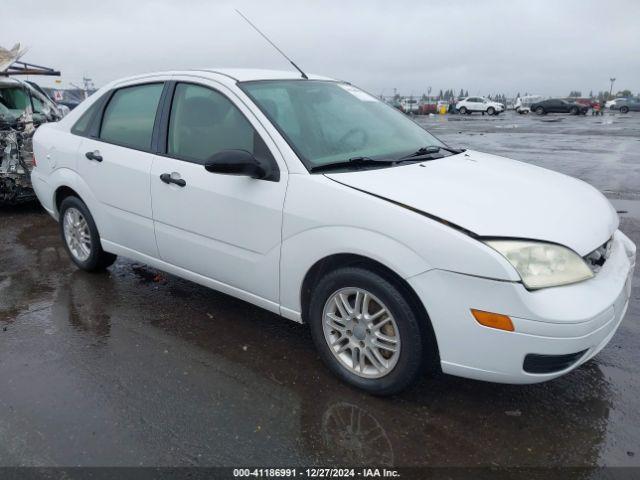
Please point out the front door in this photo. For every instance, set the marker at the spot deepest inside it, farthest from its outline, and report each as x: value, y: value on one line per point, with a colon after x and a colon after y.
x: 117, y: 163
x: 557, y: 106
x: 223, y: 227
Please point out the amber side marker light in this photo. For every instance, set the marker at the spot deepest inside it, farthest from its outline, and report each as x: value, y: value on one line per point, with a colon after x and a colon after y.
x: 493, y: 320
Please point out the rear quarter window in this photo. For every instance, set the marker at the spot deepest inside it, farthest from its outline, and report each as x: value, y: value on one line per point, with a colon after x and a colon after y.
x: 82, y: 125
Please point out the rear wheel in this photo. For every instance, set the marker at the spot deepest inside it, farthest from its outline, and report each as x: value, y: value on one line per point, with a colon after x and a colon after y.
x: 540, y: 111
x: 367, y: 331
x: 624, y: 109
x: 81, y: 238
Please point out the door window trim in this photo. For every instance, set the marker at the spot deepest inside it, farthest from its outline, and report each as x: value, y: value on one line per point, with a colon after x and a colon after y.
x: 160, y: 147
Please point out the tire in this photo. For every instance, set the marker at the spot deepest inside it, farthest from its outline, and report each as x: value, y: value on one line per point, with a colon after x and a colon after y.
x: 416, y: 348
x: 574, y: 111
x: 491, y: 111
x: 540, y: 111
x: 463, y: 110
x: 80, y: 236
x: 624, y: 109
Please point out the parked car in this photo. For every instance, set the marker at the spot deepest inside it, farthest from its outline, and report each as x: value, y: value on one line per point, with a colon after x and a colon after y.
x: 611, y: 104
x: 320, y: 203
x: 628, y: 105
x: 557, y: 105
x: 409, y: 105
x: 479, y: 104
x: 523, y: 104
x: 428, y: 107
x: 587, y: 102
x: 22, y: 109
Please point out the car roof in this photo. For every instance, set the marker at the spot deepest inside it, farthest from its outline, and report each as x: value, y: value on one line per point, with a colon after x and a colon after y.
x: 235, y: 74
x: 248, y: 74
x: 9, y: 81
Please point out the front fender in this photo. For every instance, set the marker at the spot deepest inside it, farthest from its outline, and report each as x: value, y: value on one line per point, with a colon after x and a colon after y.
x: 303, y: 250
x: 323, y: 217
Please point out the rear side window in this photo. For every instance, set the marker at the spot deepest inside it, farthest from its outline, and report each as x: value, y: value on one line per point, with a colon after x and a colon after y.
x: 129, y: 117
x: 203, y: 122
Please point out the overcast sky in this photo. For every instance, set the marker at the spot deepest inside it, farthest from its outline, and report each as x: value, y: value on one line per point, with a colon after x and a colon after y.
x: 488, y: 46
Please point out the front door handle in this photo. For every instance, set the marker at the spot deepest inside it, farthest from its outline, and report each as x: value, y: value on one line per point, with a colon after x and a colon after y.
x: 95, y: 155
x: 167, y: 178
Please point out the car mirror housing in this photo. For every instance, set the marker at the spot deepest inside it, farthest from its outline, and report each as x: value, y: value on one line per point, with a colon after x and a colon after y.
x: 237, y: 162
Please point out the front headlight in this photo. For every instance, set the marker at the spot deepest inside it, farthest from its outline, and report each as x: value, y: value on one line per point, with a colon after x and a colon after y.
x: 543, y: 265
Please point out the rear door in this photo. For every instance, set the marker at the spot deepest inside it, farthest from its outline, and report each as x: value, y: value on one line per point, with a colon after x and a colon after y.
x: 475, y: 104
x: 116, y: 163
x: 224, y: 227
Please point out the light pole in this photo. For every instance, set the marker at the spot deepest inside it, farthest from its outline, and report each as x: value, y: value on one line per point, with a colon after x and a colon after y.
x: 612, y: 80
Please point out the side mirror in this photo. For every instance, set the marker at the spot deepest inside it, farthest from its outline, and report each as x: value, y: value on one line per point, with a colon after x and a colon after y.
x: 236, y: 162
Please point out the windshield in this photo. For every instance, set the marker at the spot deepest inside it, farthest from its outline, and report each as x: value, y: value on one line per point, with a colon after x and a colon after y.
x: 327, y: 122
x: 15, y: 99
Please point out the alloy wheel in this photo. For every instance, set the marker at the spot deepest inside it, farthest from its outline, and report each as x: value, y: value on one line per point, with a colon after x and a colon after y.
x: 361, y: 332
x: 77, y: 234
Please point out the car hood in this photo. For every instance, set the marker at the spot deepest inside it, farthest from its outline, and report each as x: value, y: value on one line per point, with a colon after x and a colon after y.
x: 493, y: 196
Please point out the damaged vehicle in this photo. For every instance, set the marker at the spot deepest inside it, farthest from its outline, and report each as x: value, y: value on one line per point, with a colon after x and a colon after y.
x: 22, y: 110
x: 23, y: 107
x: 318, y: 202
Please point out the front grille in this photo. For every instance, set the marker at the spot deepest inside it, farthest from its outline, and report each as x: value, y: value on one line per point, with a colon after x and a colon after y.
x: 599, y: 256
x: 535, y: 363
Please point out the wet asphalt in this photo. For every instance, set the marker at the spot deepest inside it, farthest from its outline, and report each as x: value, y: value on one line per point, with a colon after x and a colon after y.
x: 137, y: 367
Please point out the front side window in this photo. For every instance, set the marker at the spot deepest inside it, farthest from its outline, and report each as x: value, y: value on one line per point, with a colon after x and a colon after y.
x: 129, y: 117
x: 328, y: 122
x: 204, y: 122
x: 38, y: 105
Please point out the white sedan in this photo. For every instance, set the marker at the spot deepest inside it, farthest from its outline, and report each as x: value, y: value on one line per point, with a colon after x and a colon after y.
x: 318, y: 202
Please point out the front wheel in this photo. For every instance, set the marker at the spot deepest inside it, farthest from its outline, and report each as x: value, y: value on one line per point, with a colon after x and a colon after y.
x: 463, y: 110
x: 367, y: 332
x: 491, y: 111
x: 573, y: 111
x: 624, y: 109
x: 540, y: 111
x: 80, y: 236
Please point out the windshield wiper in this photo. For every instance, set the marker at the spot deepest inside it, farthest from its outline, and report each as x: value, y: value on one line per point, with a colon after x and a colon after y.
x: 354, y: 162
x: 425, y: 152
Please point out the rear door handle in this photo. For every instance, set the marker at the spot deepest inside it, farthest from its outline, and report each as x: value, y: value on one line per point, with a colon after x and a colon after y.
x: 95, y: 155
x: 167, y: 178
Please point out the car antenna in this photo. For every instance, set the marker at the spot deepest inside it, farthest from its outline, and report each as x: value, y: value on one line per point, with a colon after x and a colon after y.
x: 304, y: 75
